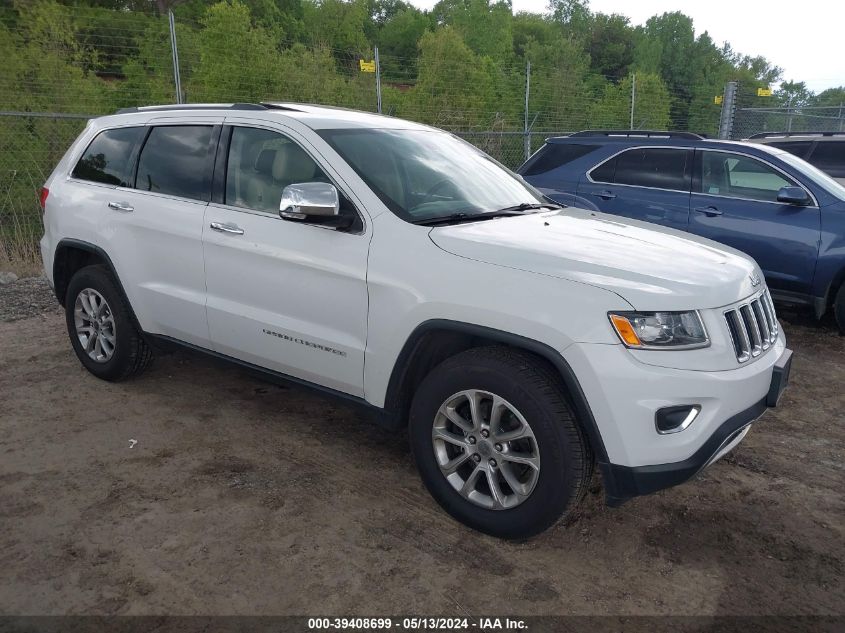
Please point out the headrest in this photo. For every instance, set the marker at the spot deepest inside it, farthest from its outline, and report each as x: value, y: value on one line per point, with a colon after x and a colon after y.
x: 292, y: 164
x: 264, y: 162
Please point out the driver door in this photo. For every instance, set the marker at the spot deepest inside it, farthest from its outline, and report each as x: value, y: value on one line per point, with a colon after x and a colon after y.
x: 734, y: 201
x: 284, y: 295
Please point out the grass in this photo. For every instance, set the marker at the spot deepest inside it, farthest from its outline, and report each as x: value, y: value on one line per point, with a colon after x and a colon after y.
x: 19, y: 250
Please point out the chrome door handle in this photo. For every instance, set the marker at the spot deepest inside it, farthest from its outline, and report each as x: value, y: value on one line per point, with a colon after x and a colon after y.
x: 234, y: 229
x: 121, y: 206
x: 605, y: 195
x: 710, y: 212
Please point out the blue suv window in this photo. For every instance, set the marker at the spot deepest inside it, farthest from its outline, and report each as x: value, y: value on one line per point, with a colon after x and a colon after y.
x: 655, y: 167
x: 739, y: 176
x: 830, y: 157
x: 553, y: 155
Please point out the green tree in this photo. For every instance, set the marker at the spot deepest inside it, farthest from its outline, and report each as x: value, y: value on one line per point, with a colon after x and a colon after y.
x: 398, y: 40
x: 830, y: 97
x: 455, y: 87
x: 337, y: 24
x: 485, y: 26
x: 651, y: 105
x: 610, y: 45
x: 237, y: 61
x: 561, y: 89
x: 573, y: 15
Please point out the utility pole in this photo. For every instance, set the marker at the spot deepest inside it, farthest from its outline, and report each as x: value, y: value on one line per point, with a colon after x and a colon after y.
x: 378, y: 80
x: 175, y: 52
x: 633, y: 97
x: 526, y: 128
x: 726, y: 119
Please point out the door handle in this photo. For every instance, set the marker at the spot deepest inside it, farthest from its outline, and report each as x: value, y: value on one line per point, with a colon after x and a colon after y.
x: 605, y: 195
x: 234, y: 229
x: 121, y: 206
x: 710, y: 212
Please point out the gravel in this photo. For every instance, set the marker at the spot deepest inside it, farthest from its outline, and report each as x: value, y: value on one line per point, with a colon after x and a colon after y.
x: 26, y: 298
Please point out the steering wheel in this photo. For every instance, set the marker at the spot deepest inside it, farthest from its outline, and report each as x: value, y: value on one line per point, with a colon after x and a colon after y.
x: 429, y: 193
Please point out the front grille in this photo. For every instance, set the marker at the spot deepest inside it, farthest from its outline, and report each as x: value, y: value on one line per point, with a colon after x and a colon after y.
x: 753, y: 326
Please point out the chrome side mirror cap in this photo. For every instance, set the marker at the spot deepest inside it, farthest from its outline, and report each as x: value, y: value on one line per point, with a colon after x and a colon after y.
x: 305, y: 200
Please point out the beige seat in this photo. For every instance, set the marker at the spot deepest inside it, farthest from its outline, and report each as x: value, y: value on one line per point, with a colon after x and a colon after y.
x: 275, y: 169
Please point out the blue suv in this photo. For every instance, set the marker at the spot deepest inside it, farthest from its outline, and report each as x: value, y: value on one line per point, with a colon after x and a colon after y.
x: 780, y: 210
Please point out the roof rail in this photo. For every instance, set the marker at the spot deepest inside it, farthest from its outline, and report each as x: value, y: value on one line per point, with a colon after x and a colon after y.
x: 776, y: 134
x: 639, y: 134
x: 193, y: 106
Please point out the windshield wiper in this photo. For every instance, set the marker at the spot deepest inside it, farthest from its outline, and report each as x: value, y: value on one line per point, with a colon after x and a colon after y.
x: 517, y: 209
x: 457, y: 218
x: 531, y: 206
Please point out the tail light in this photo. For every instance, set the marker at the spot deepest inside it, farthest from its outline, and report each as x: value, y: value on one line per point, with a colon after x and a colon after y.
x: 43, y: 197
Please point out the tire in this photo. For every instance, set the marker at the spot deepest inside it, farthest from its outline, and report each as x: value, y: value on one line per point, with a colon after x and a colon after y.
x: 116, y: 331
x: 839, y: 309
x: 529, y: 394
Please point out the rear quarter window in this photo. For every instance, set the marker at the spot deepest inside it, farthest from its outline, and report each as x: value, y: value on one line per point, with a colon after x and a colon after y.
x: 829, y: 156
x: 554, y: 155
x: 106, y: 159
x: 799, y: 148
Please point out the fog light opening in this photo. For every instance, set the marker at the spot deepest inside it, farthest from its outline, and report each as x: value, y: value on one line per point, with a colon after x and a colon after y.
x: 675, y: 419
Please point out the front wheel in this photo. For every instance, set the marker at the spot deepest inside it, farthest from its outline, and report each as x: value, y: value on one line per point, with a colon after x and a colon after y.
x: 839, y: 309
x: 496, y: 442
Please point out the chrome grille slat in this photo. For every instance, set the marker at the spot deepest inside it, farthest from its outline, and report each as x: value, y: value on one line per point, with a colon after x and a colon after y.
x: 762, y: 323
x: 753, y: 326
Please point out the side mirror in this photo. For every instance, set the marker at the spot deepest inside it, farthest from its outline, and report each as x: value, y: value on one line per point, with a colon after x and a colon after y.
x: 794, y: 195
x: 309, y: 200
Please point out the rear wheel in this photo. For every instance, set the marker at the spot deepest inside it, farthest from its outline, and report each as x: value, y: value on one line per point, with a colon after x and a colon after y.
x: 496, y: 442
x: 100, y: 326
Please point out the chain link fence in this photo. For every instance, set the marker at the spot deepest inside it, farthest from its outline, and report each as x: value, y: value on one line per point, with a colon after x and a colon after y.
x: 798, y: 119
x: 64, y: 65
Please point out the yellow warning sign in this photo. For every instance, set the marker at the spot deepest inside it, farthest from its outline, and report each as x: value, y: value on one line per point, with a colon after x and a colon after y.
x: 367, y: 67
x: 764, y: 92
x: 717, y: 99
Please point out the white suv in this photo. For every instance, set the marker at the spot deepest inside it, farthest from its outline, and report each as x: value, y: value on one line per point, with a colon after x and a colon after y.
x: 399, y: 267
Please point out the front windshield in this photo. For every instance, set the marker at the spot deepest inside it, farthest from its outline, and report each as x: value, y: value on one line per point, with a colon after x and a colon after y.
x: 422, y: 174
x: 821, y: 179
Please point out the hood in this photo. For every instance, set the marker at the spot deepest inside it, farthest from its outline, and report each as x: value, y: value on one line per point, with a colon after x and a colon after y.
x: 651, y: 267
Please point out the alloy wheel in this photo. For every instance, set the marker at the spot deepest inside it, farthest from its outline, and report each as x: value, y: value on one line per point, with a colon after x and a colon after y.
x: 95, y: 325
x: 486, y: 449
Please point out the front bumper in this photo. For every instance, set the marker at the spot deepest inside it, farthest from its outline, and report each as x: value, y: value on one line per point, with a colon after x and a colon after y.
x: 625, y: 394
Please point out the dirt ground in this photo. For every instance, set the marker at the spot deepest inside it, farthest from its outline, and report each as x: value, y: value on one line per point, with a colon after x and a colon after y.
x: 197, y: 489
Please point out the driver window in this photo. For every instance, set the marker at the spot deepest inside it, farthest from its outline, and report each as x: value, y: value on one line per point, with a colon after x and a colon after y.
x: 262, y: 163
x: 738, y: 176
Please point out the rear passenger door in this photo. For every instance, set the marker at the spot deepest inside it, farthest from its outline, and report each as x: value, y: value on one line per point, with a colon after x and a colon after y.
x: 643, y: 183
x: 284, y: 295
x: 154, y: 228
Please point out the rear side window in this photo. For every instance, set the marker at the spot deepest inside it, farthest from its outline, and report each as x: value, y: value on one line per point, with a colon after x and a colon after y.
x: 107, y: 158
x: 661, y: 168
x: 829, y: 157
x: 176, y: 160
x: 799, y: 148
x: 553, y: 155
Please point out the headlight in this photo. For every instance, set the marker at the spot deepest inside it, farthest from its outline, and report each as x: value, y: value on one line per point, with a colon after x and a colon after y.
x: 660, y: 330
